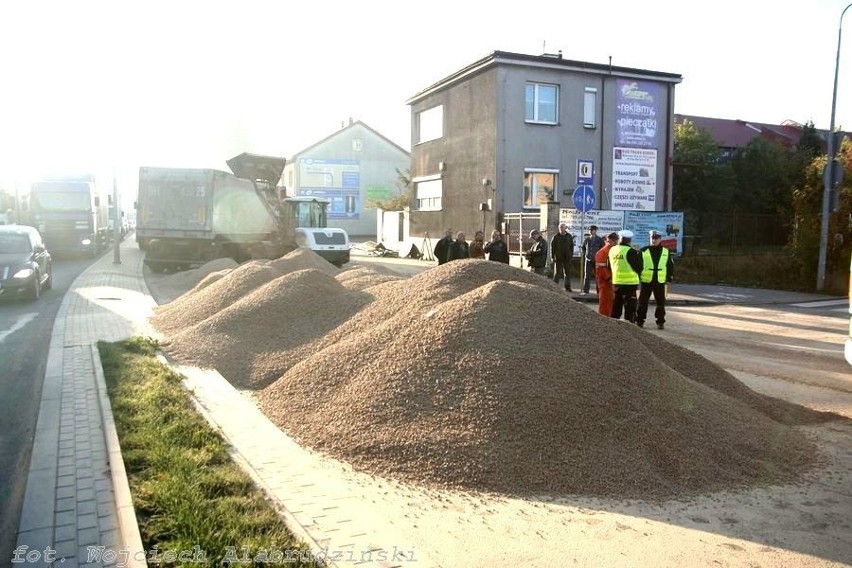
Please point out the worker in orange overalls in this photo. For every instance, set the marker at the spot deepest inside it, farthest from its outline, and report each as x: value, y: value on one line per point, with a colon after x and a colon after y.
x: 603, y: 275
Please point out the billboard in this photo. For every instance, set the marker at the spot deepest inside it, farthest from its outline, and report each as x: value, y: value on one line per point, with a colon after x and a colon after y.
x: 338, y: 181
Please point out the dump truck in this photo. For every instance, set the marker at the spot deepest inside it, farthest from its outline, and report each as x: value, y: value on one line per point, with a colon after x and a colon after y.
x: 71, y: 213
x: 188, y: 217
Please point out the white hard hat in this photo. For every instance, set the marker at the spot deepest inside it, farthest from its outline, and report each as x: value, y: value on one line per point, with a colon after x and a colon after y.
x: 625, y: 234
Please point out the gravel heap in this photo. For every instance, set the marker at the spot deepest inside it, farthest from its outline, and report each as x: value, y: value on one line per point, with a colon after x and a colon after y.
x: 481, y: 376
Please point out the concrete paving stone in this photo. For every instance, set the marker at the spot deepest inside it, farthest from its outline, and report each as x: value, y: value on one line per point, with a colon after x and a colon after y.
x: 63, y: 492
x: 85, y: 507
x: 66, y: 532
x: 66, y: 468
x: 66, y: 549
x: 66, y: 504
x: 88, y: 537
x: 66, y: 518
x: 36, y: 539
x: 86, y: 483
x: 85, y: 494
x: 86, y: 520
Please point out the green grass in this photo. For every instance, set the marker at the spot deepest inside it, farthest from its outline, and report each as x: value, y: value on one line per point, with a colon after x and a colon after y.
x: 188, y: 493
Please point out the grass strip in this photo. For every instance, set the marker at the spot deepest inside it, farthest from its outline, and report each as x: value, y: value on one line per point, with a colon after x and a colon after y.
x: 190, y: 497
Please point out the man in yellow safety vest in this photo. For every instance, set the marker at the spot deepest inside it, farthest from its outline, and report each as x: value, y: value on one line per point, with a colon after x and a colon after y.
x: 626, y: 265
x: 657, y: 270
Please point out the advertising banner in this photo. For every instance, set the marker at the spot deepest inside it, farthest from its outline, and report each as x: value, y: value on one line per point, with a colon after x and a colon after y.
x: 607, y: 221
x: 669, y: 224
x: 338, y: 181
x: 637, y: 106
x: 634, y: 179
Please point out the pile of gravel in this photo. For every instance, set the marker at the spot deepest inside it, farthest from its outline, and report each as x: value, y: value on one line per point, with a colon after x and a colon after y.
x: 481, y: 376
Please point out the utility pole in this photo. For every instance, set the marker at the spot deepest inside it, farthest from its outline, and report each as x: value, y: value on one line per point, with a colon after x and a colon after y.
x: 829, y: 177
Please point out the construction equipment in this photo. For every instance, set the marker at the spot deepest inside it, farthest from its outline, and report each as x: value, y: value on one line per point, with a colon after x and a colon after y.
x: 187, y: 217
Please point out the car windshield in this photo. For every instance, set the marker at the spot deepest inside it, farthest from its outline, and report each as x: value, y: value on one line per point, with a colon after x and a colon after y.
x: 14, y: 244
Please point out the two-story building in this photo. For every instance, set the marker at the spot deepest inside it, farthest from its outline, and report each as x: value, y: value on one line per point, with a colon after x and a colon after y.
x: 511, y: 132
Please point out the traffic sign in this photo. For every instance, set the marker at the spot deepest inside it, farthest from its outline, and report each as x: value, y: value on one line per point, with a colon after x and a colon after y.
x: 584, y: 198
x: 585, y: 172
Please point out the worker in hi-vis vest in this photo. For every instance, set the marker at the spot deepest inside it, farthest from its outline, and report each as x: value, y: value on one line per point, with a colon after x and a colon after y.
x: 657, y: 271
x: 626, y: 265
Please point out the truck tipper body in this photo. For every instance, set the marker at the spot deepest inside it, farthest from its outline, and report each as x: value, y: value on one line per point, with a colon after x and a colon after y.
x: 71, y: 213
x: 187, y: 217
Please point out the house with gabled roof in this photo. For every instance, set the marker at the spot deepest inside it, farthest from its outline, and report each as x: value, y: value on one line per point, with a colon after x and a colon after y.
x: 350, y: 168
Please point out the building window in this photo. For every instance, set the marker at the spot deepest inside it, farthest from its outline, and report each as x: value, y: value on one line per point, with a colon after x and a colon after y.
x: 428, y: 193
x: 539, y: 187
x: 430, y: 124
x: 590, y: 106
x: 541, y: 103
x: 357, y: 144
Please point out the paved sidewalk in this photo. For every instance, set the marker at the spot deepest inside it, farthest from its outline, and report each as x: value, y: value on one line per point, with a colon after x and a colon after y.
x: 71, y: 501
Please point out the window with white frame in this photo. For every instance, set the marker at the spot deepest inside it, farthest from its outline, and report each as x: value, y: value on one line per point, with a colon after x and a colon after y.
x: 430, y: 124
x: 541, y: 103
x: 590, y: 106
x: 428, y: 193
x: 539, y: 187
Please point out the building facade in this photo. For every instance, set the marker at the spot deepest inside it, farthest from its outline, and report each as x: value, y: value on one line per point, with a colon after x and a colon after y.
x: 350, y: 168
x: 512, y: 132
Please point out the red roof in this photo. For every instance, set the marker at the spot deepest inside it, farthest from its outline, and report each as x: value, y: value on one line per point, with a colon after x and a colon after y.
x: 730, y: 133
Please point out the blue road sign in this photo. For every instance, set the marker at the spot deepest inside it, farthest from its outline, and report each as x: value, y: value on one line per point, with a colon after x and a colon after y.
x: 584, y: 198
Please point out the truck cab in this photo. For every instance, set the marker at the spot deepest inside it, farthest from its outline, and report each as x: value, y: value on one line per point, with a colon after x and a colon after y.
x: 302, y: 219
x: 308, y: 216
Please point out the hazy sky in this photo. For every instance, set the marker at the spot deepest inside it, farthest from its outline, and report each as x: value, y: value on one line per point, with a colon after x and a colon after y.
x: 192, y: 83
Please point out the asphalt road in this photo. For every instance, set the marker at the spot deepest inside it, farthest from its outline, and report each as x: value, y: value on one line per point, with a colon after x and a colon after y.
x: 25, y: 329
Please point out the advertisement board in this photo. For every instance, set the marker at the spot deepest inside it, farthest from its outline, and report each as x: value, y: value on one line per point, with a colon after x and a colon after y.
x: 338, y: 181
x: 634, y: 179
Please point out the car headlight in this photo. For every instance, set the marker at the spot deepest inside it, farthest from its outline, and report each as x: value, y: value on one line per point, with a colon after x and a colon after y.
x: 86, y: 242
x: 22, y: 273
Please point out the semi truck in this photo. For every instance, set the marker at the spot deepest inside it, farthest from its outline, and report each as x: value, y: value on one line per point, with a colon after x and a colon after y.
x: 71, y: 213
x: 188, y: 217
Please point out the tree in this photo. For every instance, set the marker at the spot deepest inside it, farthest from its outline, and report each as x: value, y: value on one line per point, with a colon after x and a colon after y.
x: 701, y: 182
x: 765, y: 173
x: 402, y: 199
x: 807, y: 205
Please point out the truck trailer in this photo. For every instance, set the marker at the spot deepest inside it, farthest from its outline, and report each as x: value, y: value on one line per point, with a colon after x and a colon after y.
x: 188, y: 217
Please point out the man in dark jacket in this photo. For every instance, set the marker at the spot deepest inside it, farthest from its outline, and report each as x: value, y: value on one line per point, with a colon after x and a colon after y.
x: 657, y: 271
x: 459, y: 248
x: 591, y: 245
x: 496, y: 248
x: 537, y: 254
x: 442, y: 247
x: 562, y: 252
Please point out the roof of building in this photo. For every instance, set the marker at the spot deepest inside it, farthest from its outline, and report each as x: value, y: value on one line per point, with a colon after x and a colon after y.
x: 553, y: 61
x: 735, y: 133
x: 352, y: 124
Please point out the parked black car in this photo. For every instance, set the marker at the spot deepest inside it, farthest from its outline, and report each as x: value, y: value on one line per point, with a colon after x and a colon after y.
x: 25, y: 264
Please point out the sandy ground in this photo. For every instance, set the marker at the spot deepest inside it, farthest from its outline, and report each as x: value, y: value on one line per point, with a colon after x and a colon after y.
x: 809, y: 524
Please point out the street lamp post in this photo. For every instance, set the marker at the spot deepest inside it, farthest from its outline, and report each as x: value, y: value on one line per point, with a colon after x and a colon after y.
x: 828, y: 178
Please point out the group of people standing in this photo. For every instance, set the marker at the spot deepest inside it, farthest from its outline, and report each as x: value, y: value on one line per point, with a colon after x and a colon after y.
x: 618, y: 268
x: 621, y: 270
x: 452, y: 247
